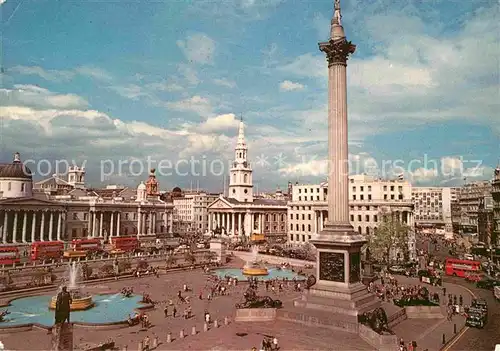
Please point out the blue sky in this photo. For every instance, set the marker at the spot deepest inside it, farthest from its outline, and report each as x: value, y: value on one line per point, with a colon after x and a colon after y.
x: 104, y: 82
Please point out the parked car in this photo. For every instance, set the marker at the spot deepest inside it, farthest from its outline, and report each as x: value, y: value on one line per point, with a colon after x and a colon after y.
x: 396, y: 269
x: 480, y: 304
x: 487, y: 283
x: 476, y: 318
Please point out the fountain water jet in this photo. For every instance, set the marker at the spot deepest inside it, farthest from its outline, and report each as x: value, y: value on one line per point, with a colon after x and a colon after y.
x: 254, y: 267
x: 81, y: 301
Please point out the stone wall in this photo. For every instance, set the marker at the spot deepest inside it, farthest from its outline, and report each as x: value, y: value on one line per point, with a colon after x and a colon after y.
x: 255, y: 314
x: 62, y: 337
x: 424, y: 312
x: 380, y: 342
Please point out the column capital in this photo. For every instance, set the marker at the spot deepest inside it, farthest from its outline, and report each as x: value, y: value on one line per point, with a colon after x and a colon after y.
x: 337, y: 51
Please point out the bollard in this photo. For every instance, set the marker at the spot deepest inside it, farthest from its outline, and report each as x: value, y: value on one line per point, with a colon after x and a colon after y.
x: 454, y: 328
x: 155, y: 342
x: 444, y: 339
x: 216, y: 324
x: 139, y: 346
x: 226, y: 321
x: 169, y: 337
x: 181, y: 334
x: 205, y: 327
x: 193, y: 330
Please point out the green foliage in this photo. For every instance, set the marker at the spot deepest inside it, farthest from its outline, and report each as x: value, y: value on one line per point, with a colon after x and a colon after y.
x: 189, y: 257
x: 390, y: 237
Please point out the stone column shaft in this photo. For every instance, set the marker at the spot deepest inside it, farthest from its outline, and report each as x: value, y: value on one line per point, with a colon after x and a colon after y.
x: 315, y: 216
x: 33, y: 227
x: 239, y: 224
x: 338, y: 182
x: 42, y: 227
x: 118, y: 219
x: 101, y: 223
x: 51, y: 225
x: 112, y: 225
x: 5, y: 224
x: 233, y: 231
x: 14, y: 229
x: 139, y: 223
x: 25, y: 222
x: 59, y: 225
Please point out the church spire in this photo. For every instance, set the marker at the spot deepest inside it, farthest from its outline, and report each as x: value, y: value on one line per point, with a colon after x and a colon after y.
x: 241, y: 145
x: 336, y: 29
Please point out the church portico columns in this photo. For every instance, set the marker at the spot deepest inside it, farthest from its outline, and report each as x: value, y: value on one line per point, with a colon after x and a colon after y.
x: 4, y: 228
x: 42, y: 225
x: 233, y: 231
x: 33, y: 226
x: 14, y: 229
x: 25, y: 221
x: 59, y: 225
x: 51, y: 225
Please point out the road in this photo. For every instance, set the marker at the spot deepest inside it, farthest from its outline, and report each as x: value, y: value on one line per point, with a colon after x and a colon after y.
x: 479, y: 339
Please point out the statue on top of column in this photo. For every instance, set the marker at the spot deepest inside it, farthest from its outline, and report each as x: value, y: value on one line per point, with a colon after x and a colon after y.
x: 152, y: 184
x: 337, y: 16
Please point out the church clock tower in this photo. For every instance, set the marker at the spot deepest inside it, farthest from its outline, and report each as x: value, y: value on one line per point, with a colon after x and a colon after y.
x: 240, y: 182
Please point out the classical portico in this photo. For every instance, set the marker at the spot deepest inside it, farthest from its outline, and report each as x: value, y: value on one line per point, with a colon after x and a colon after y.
x: 240, y: 220
x: 28, y: 220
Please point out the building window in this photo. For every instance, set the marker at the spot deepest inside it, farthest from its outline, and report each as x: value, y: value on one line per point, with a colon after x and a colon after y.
x: 85, y: 216
x: 367, y: 230
x: 392, y: 187
x: 297, y: 228
x: 9, y: 186
x: 361, y: 188
x: 353, y: 189
x: 300, y: 190
x: 75, y: 216
x: 305, y: 191
x: 308, y: 227
x: 375, y: 219
x: 303, y: 238
x: 309, y: 216
x: 359, y: 229
x: 245, y: 178
x: 367, y: 218
x: 300, y: 199
x: 392, y: 196
x: 23, y: 187
x: 291, y: 237
x: 359, y: 218
x: 291, y: 215
x: 352, y: 218
x: 354, y: 197
x: 303, y: 216
x: 361, y: 197
x: 385, y: 187
x: 385, y: 196
x: 369, y: 196
x: 303, y: 227
x: 296, y: 216
x: 296, y: 237
x: 369, y: 188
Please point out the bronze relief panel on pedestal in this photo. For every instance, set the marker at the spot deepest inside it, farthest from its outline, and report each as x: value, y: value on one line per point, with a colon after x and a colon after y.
x: 354, y: 267
x: 331, y: 266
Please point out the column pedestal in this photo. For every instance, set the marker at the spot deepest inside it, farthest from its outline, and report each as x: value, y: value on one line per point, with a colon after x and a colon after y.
x: 338, y: 292
x: 62, y: 337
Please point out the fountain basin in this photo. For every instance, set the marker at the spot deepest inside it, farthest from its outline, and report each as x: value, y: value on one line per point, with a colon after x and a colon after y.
x: 80, y: 304
x: 255, y: 271
x: 273, y: 273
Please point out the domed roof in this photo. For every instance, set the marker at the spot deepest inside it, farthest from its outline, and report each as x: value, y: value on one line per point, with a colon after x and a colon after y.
x: 141, y: 186
x: 16, y: 169
x: 176, y: 190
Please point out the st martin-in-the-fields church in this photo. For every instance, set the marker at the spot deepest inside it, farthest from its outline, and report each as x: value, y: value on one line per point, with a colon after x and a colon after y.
x: 241, y: 214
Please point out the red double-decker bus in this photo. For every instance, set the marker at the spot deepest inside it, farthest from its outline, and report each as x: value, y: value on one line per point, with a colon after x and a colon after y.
x: 125, y: 244
x: 9, y: 255
x: 88, y: 245
x: 42, y: 250
x: 461, y: 268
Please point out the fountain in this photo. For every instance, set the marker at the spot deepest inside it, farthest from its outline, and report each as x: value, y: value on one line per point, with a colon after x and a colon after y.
x: 254, y: 267
x: 81, y: 301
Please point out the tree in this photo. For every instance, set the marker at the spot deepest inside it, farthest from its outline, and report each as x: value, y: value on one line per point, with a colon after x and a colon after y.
x: 389, y: 239
x: 171, y: 259
x: 190, y: 257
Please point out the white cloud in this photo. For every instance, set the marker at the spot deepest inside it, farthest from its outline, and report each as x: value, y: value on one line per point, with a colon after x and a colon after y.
x: 197, y: 104
x: 164, y: 86
x: 50, y: 75
x: 198, y: 48
x: 224, y: 83
x: 34, y: 96
x: 130, y: 91
x: 287, y: 85
x: 2, y: 2
x: 54, y: 75
x: 219, y: 123
x: 94, y: 72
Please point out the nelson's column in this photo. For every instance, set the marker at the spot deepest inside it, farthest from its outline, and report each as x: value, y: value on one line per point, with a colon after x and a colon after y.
x: 338, y: 290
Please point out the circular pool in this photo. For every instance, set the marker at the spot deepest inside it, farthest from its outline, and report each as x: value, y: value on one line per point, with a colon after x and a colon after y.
x: 273, y: 273
x: 108, y: 308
